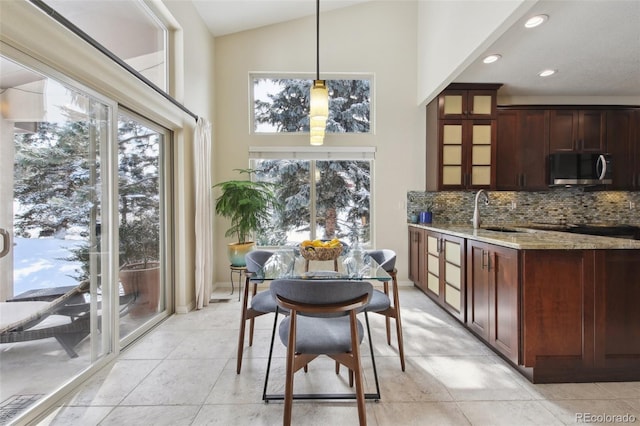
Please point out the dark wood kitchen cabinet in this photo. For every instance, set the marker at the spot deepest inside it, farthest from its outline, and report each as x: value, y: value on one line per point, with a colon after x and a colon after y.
x: 573, y: 130
x: 557, y: 315
x: 522, y: 146
x: 460, y: 101
x: 635, y: 150
x: 445, y: 272
x: 461, y: 135
x: 493, y: 295
x: 616, y: 316
x: 623, y: 145
x: 417, y: 247
x: 580, y: 320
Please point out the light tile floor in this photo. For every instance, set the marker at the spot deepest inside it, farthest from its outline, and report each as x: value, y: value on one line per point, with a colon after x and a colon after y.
x: 183, y: 373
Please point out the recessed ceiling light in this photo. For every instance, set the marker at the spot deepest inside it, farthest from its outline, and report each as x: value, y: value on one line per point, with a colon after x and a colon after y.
x: 491, y: 58
x: 534, y: 21
x: 546, y: 73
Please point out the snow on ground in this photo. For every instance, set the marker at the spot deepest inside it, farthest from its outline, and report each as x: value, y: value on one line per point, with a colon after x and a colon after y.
x: 40, y: 263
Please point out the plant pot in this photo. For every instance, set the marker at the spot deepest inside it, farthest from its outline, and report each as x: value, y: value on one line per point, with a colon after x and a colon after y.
x: 143, y: 280
x: 426, y: 217
x: 237, y: 251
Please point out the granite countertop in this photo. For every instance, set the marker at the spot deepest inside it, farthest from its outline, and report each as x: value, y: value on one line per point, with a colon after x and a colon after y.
x: 532, y: 239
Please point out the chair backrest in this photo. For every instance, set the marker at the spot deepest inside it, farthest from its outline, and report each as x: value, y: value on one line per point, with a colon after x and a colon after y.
x: 256, y: 259
x: 306, y: 296
x: 385, y: 258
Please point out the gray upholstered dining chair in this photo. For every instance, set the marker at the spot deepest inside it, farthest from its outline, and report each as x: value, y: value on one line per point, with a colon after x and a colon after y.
x: 382, y: 303
x: 322, y: 321
x: 261, y: 303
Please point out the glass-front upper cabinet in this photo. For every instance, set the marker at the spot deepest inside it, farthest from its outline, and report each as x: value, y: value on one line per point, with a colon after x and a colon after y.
x: 467, y: 153
x: 461, y: 138
x: 468, y: 103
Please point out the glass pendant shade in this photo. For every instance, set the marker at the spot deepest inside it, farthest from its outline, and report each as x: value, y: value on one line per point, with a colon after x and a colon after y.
x: 319, y: 104
x: 317, y: 133
x: 319, y: 96
x: 317, y: 123
x: 318, y: 111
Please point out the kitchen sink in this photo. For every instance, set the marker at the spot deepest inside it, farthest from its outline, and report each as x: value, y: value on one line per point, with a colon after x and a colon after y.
x: 500, y: 229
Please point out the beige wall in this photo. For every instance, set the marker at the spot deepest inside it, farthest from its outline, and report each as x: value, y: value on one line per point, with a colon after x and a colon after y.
x: 375, y: 37
x: 194, y: 47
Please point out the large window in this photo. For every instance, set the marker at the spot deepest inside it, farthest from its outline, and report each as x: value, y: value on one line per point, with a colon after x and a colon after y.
x: 282, y: 105
x: 323, y: 199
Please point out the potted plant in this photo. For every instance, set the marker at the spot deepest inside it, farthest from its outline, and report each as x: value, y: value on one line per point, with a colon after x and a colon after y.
x: 247, y: 204
x: 426, y: 216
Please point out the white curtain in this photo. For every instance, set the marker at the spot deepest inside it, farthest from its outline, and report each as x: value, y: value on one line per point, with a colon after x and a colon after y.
x: 203, y: 219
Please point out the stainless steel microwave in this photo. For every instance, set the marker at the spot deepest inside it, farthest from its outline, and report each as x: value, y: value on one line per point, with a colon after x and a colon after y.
x: 568, y: 168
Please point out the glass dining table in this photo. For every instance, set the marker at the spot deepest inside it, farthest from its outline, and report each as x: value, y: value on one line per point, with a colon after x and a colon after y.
x: 287, y: 263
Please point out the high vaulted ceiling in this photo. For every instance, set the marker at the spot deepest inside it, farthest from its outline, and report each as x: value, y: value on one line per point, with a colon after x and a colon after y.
x: 593, y: 44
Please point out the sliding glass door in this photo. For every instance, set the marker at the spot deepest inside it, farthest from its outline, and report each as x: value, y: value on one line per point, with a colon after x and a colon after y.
x: 55, y: 306
x: 84, y: 231
x: 142, y: 219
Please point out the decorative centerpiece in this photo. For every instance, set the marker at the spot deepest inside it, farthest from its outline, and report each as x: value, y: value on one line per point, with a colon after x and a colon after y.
x: 321, y: 250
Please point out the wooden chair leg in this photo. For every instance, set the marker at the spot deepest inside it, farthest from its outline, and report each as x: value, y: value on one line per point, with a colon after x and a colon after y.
x: 252, y: 321
x: 386, y: 320
x: 288, y: 393
x: 400, y: 341
x: 357, y: 371
x: 396, y: 304
x: 243, y: 321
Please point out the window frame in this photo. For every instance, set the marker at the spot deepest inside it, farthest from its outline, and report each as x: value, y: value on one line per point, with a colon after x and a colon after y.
x: 324, y: 153
x: 253, y: 75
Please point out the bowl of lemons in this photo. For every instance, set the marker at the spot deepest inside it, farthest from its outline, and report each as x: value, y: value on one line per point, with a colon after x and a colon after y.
x: 321, y: 249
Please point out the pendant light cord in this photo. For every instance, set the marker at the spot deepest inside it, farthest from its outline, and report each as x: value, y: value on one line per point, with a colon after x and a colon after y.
x: 317, y: 39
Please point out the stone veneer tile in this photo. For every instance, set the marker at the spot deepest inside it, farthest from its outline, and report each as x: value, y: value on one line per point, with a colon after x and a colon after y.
x: 570, y: 205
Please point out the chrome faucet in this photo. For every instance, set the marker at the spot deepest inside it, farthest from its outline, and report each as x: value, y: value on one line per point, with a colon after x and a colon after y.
x: 476, y: 213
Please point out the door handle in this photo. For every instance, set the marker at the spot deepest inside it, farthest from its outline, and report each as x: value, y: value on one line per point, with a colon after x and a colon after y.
x: 6, y: 242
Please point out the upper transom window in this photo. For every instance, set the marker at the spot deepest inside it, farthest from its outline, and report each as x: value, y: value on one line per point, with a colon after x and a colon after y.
x: 128, y: 29
x: 281, y: 104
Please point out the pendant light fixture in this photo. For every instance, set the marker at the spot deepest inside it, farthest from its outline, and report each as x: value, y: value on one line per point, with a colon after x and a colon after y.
x: 319, y: 97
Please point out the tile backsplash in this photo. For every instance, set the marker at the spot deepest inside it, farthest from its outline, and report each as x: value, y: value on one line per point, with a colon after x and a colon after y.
x: 559, y: 205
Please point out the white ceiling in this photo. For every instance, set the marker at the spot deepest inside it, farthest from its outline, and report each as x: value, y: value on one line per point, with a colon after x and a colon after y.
x: 594, y: 44
x: 231, y: 16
